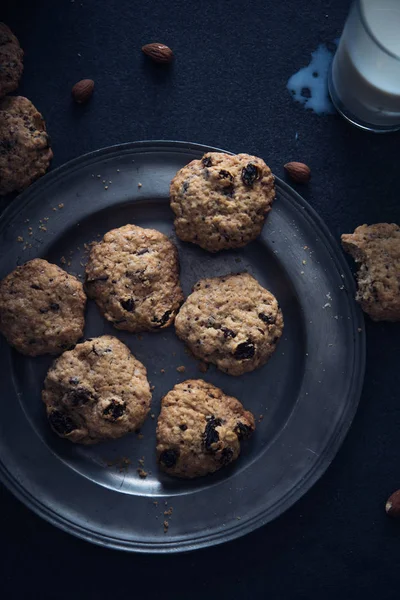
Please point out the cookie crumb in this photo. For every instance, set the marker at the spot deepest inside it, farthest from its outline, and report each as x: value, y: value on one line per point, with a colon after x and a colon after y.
x: 152, y: 388
x: 181, y: 369
x: 166, y: 525
x: 121, y: 463
x: 142, y: 473
x: 153, y: 416
x: 63, y: 260
x: 168, y: 513
x: 162, y: 371
x: 125, y: 462
x: 20, y: 239
x: 139, y: 185
x: 155, y: 502
x: 203, y: 367
x: 61, y: 205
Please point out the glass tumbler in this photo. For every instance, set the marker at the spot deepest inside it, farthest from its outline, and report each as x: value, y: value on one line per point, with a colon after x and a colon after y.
x: 364, y: 81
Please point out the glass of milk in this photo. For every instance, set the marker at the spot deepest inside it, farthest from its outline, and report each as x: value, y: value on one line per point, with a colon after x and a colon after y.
x: 364, y: 82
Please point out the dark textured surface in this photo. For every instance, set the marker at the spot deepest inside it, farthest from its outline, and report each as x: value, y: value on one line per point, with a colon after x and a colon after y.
x: 226, y: 88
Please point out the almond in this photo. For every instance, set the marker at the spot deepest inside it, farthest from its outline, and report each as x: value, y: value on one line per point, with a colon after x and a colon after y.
x: 393, y: 505
x: 298, y: 172
x: 158, y: 52
x: 82, y: 90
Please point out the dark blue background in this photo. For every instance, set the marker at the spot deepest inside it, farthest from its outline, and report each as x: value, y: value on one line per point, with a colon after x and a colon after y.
x: 227, y: 88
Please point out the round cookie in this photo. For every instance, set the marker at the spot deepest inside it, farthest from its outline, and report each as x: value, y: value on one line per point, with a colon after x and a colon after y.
x: 133, y: 275
x: 97, y: 391
x: 231, y: 321
x: 221, y: 200
x: 11, y: 65
x: 41, y: 308
x: 25, y: 152
x: 199, y: 429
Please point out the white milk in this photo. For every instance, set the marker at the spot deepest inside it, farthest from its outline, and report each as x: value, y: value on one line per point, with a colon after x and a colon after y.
x: 309, y: 86
x: 365, y: 76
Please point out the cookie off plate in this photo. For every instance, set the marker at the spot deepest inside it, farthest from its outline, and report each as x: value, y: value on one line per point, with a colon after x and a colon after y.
x: 304, y: 398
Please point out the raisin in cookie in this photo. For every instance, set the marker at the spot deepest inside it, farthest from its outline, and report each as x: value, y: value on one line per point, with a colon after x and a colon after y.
x: 25, y: 152
x: 376, y: 249
x: 97, y: 391
x: 221, y: 200
x: 231, y: 321
x: 41, y: 308
x: 11, y: 65
x: 199, y: 429
x: 133, y: 275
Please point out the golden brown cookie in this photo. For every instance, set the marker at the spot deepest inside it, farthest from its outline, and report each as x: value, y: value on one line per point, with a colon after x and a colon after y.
x: 133, y: 275
x: 97, y: 391
x: 376, y: 250
x: 221, y: 200
x: 11, y: 57
x: 199, y: 429
x: 41, y: 308
x: 231, y: 321
x: 25, y: 152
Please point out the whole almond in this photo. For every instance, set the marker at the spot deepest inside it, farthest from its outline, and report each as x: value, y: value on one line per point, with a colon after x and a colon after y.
x: 82, y: 91
x: 393, y: 505
x: 298, y: 172
x: 160, y: 53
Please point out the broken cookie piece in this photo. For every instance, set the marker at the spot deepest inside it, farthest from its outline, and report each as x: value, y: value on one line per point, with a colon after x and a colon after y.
x: 376, y: 250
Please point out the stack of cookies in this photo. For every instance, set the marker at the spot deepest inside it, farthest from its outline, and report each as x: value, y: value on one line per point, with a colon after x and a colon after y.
x: 96, y: 389
x: 25, y: 152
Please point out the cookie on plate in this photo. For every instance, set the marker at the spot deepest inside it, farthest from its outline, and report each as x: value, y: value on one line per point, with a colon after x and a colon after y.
x: 199, y: 429
x: 11, y: 65
x: 25, y: 152
x: 97, y: 391
x: 133, y: 275
x: 41, y: 308
x: 231, y: 321
x: 221, y: 200
x: 376, y: 249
